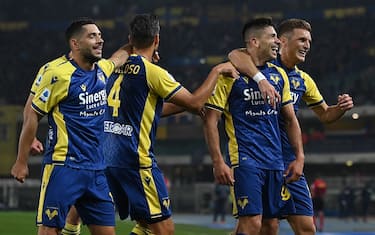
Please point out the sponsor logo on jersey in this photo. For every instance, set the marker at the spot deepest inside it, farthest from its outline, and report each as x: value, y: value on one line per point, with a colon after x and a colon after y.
x: 295, y: 97
x: 93, y: 100
x: 117, y: 128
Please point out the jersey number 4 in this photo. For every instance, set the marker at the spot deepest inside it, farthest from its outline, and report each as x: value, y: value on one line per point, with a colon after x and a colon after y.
x: 113, y: 98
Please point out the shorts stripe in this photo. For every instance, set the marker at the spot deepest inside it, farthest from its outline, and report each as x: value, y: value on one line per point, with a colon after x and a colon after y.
x: 151, y: 193
x: 47, y: 171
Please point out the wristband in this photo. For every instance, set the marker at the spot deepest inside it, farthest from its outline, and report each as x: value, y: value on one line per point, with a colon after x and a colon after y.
x: 258, y: 77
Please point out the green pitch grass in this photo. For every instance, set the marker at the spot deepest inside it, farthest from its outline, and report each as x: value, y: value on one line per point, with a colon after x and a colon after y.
x: 21, y: 223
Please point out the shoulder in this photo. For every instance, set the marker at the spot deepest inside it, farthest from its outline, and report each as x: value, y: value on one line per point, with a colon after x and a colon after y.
x: 303, y: 74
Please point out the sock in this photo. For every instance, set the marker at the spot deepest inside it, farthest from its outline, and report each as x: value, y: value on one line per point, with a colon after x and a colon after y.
x: 71, y: 229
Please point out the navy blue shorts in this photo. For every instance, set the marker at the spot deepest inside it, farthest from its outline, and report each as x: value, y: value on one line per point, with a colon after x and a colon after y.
x: 140, y: 192
x: 63, y: 187
x: 260, y: 192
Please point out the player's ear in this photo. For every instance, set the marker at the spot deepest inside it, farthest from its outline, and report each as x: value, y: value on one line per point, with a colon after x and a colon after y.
x: 283, y: 39
x: 74, y: 45
x: 156, y: 41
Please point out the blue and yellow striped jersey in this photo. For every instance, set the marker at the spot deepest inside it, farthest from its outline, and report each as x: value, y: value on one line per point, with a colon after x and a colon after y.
x: 39, y: 75
x: 75, y: 102
x: 251, y: 125
x: 302, y: 87
x: 135, y: 101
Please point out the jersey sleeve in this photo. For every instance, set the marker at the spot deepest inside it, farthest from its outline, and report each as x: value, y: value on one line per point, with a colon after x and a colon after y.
x: 37, y: 80
x: 286, y: 97
x: 52, y: 89
x: 161, y: 82
x: 219, y: 98
x: 312, y: 96
x: 107, y: 66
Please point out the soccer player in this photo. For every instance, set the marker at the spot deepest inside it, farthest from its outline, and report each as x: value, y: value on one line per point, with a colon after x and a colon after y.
x: 73, y: 222
x: 135, y: 102
x: 295, y: 37
x: 73, y: 95
x: 251, y: 125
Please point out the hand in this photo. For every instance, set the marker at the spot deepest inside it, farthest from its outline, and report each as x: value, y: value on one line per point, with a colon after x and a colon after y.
x: 223, y: 174
x: 20, y: 171
x: 36, y: 147
x: 269, y: 93
x: 294, y: 171
x: 345, y: 102
x: 228, y: 69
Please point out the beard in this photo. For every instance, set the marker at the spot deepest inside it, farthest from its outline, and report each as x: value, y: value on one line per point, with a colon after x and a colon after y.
x: 90, y: 57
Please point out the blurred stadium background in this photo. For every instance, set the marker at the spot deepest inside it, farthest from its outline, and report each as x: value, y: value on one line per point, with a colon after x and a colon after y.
x: 195, y: 35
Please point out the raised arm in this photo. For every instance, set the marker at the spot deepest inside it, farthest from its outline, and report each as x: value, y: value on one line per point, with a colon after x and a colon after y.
x: 295, y: 168
x: 120, y: 56
x: 243, y: 62
x: 222, y: 173
x: 329, y: 114
x: 194, y: 102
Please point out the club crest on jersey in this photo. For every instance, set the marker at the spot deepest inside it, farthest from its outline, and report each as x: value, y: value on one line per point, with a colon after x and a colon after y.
x: 295, y: 83
x: 83, y: 87
x: 275, y: 78
x: 245, y: 79
x: 45, y: 95
x: 101, y: 76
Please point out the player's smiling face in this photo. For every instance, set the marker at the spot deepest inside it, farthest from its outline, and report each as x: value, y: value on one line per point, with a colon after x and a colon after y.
x: 299, y: 44
x: 91, y: 43
x: 269, y: 43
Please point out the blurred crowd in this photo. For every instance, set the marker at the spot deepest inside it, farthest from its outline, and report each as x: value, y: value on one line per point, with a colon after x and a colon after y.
x: 194, y: 36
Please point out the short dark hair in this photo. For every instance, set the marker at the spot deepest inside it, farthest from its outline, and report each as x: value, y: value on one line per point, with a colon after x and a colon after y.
x: 255, y: 24
x: 143, y: 29
x: 76, y: 27
x: 287, y: 26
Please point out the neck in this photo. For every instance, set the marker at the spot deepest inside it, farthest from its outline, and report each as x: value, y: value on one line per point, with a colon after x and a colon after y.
x: 145, y: 52
x: 82, y: 62
x: 258, y: 60
x: 286, y: 60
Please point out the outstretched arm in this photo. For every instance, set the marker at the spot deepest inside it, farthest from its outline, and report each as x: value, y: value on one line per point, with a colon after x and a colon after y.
x: 194, y: 101
x: 120, y: 56
x: 329, y: 114
x: 170, y: 109
x: 243, y: 62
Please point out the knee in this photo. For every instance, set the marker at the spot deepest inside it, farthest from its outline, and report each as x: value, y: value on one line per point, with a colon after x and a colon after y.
x: 270, y: 227
x: 170, y: 229
x: 44, y: 230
